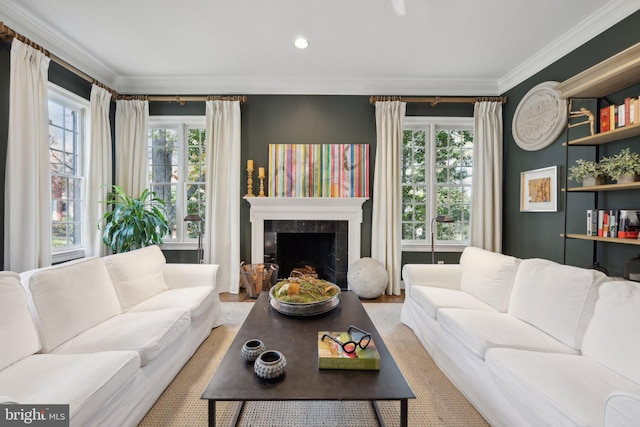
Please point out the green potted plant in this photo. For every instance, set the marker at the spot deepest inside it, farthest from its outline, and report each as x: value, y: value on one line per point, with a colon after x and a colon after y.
x: 623, y: 167
x: 133, y: 223
x: 588, y: 172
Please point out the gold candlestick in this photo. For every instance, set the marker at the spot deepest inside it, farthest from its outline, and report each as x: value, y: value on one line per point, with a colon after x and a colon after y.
x: 249, y: 179
x: 261, y: 177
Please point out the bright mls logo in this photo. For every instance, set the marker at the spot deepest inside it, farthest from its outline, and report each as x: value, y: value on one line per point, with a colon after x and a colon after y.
x: 34, y: 415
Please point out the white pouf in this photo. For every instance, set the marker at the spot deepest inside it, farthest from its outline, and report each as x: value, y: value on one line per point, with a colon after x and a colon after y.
x: 367, y: 278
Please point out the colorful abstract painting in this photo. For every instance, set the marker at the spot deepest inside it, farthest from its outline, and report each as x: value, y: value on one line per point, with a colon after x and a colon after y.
x: 318, y: 170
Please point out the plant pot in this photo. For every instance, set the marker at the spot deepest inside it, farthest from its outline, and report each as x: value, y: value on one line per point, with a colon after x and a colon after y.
x: 270, y: 365
x: 627, y: 178
x: 593, y: 181
x: 252, y: 349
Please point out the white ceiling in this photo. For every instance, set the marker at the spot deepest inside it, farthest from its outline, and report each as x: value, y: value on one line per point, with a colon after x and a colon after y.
x: 443, y: 47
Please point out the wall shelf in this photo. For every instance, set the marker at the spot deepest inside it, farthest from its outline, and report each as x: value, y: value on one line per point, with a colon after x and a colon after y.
x: 609, y: 76
x: 606, y: 137
x: 602, y: 239
x: 606, y: 187
x: 612, y: 75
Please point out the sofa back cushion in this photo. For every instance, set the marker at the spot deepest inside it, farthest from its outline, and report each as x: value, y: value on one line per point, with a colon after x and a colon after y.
x: 137, y: 275
x: 18, y: 335
x: 611, y: 338
x: 488, y: 276
x: 71, y: 298
x: 556, y: 298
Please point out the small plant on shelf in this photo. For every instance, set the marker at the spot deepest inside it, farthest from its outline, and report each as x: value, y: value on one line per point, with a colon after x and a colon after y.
x: 588, y: 172
x: 622, y: 167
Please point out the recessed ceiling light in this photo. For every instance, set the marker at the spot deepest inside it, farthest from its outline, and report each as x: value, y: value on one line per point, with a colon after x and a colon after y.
x: 301, y: 43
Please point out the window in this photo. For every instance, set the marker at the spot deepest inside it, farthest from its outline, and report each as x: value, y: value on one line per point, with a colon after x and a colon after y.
x: 437, y: 168
x: 67, y: 130
x: 177, y: 173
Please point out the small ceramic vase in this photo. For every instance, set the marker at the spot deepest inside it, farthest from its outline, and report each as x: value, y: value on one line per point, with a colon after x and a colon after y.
x: 270, y: 365
x: 252, y: 349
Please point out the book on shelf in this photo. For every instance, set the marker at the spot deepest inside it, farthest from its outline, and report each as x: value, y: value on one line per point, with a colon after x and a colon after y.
x: 604, y: 119
x: 619, y: 223
x: 592, y: 222
x: 332, y: 356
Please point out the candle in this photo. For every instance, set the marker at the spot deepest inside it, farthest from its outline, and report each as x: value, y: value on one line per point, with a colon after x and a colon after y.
x: 260, y: 172
x: 250, y: 165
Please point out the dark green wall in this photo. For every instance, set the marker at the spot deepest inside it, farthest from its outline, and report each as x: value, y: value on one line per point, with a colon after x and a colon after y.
x: 537, y: 234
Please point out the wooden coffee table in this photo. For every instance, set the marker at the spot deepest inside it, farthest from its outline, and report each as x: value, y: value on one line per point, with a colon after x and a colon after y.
x: 296, y: 338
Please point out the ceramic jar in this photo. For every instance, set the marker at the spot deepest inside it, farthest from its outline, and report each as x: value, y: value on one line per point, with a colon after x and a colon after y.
x: 270, y: 364
x: 252, y: 349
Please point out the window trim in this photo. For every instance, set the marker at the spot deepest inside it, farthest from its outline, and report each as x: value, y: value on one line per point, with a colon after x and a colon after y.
x: 72, y: 100
x: 432, y: 124
x: 181, y: 124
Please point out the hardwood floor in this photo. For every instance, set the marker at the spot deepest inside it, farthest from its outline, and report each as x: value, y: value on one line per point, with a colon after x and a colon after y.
x: 242, y: 296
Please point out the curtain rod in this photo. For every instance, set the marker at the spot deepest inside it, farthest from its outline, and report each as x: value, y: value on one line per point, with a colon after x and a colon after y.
x: 435, y: 100
x: 7, y: 34
x: 184, y: 99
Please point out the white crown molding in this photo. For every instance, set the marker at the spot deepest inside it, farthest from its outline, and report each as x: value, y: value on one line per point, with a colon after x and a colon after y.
x: 22, y: 22
x: 37, y: 31
x: 607, y: 16
x: 295, y: 86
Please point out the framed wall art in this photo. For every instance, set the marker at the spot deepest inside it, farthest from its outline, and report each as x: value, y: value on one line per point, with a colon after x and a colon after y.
x: 539, y: 190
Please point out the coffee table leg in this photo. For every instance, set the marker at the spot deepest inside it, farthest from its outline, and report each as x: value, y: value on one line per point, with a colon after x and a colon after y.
x: 212, y: 413
x: 404, y: 412
x: 376, y: 409
x: 236, y: 416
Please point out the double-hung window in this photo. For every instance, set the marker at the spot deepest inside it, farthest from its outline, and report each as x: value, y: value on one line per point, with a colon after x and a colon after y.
x: 437, y: 169
x: 177, y: 173
x: 67, y: 135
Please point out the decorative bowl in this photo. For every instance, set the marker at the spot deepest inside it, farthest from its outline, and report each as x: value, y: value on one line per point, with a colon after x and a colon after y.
x: 270, y: 365
x: 305, y: 309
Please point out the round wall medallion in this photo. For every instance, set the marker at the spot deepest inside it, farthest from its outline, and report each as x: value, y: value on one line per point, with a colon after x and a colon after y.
x: 540, y: 117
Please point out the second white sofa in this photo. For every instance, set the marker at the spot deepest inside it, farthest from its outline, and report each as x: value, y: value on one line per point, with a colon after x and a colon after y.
x: 519, y: 338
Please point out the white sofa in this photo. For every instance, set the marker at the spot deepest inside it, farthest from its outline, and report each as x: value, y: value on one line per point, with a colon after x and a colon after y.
x: 104, y: 335
x: 530, y: 342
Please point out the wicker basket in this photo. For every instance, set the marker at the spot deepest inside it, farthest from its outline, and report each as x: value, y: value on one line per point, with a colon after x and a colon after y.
x: 256, y: 278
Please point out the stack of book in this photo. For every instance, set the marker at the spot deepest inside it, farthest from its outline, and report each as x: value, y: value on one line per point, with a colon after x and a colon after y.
x: 332, y: 356
x: 617, y: 116
x: 623, y: 223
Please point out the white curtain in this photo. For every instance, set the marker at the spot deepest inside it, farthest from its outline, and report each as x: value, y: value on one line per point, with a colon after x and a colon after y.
x: 222, y: 217
x: 486, y: 201
x: 386, y: 233
x: 97, y: 171
x: 27, y: 220
x: 132, y: 123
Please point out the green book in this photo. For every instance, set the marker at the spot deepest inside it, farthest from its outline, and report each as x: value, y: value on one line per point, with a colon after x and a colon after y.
x: 332, y: 356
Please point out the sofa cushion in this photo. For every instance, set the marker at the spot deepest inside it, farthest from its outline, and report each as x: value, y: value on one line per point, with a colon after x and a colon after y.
x: 71, y: 298
x: 87, y: 382
x: 137, y: 275
x: 479, y: 331
x: 556, y: 298
x: 431, y: 299
x: 561, y: 389
x: 18, y: 335
x: 488, y: 276
x: 148, y: 333
x: 195, y: 300
x: 612, y: 335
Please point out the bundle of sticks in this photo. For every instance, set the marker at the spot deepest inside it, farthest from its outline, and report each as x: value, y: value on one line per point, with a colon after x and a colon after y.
x: 305, y: 271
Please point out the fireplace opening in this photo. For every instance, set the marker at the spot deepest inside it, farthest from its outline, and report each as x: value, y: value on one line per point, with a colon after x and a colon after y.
x: 317, y: 250
x: 319, y: 244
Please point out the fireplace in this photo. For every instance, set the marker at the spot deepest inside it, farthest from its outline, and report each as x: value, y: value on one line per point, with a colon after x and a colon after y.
x: 286, y: 230
x: 321, y: 245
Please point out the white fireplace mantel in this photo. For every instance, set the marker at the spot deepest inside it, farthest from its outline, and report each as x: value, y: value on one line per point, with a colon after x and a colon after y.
x: 305, y: 208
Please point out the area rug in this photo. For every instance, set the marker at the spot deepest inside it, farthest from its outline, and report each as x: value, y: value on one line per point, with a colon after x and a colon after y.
x: 437, y: 403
